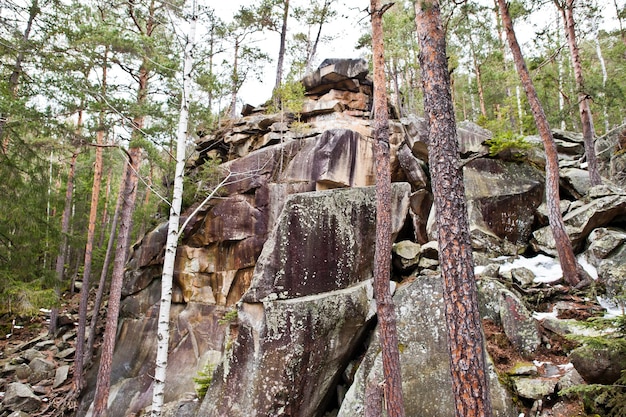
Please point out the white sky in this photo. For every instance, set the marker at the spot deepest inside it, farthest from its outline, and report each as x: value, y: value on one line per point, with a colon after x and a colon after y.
x: 347, y: 28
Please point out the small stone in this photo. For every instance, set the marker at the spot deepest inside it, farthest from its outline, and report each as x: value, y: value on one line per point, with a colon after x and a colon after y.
x: 19, y: 397
x: 61, y: 375
x: 66, y: 353
x: 534, y: 388
x: 523, y: 368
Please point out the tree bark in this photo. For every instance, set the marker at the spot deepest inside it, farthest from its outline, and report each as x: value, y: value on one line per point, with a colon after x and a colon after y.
x: 382, y: 263
x: 129, y: 190
x: 103, y: 275
x: 583, y: 98
x: 569, y: 265
x: 65, y: 228
x: 281, y: 50
x: 465, y: 341
x: 163, y: 331
x: 14, y: 78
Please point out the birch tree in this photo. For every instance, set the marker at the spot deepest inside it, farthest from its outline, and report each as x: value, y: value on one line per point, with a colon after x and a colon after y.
x: 392, y: 385
x: 465, y: 342
x: 163, y: 330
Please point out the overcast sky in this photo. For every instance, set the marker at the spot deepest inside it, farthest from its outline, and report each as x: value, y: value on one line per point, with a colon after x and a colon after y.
x: 346, y: 30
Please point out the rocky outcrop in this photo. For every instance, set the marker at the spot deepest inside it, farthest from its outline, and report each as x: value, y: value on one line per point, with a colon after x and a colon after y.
x: 426, y: 380
x: 272, y: 279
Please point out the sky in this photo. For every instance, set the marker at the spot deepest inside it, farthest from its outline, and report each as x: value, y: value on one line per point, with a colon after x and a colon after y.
x: 349, y: 25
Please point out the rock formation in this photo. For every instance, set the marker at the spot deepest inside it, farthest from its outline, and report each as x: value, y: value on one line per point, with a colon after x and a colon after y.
x: 273, y: 296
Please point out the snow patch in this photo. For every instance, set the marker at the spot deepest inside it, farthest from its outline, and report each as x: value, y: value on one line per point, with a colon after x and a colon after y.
x: 551, y: 314
x: 613, y: 308
x: 545, y: 268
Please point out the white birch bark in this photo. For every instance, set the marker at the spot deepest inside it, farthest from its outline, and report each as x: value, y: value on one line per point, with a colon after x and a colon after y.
x: 172, y: 233
x: 605, y: 77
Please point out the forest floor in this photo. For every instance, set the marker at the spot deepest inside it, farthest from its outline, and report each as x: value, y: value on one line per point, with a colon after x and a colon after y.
x: 26, y: 330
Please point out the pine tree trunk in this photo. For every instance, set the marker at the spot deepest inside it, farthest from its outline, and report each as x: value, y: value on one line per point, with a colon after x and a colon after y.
x: 103, y: 275
x: 14, y: 78
x: 465, y: 341
x: 65, y: 228
x: 583, y: 98
x: 163, y: 331
x: 281, y: 51
x: 394, y: 403
x: 564, y: 248
x: 129, y: 190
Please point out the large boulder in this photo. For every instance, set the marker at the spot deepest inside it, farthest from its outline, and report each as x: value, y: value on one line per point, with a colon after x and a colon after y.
x: 424, y: 360
x: 502, y: 198
x: 323, y: 241
x: 598, y: 212
x: 20, y: 397
x: 289, y: 354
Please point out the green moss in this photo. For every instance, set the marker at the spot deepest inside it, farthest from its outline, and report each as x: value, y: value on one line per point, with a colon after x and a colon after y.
x: 508, y: 141
x: 228, y: 317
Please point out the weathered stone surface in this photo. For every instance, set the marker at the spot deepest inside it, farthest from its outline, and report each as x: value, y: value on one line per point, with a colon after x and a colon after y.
x: 502, y: 199
x: 519, y: 325
x: 426, y: 381
x: 472, y: 138
x: 339, y: 158
x: 421, y: 203
x: 42, y: 369
x: 579, y: 222
x: 406, y: 255
x: 575, y: 181
x: 598, y: 366
x: 534, y: 388
x: 19, y: 397
x: 196, y: 333
x: 603, y: 241
x: 333, y: 71
x: 289, y: 354
x: 60, y: 375
x: 412, y: 167
x: 322, y: 242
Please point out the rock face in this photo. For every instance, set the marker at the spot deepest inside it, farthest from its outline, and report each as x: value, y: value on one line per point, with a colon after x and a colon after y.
x: 426, y: 381
x: 306, y: 309
x: 273, y: 278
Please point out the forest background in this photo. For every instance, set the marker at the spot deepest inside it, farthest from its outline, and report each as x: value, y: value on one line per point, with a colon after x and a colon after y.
x: 81, y: 76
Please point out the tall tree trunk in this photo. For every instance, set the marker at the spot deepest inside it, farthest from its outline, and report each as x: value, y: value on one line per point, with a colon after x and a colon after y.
x: 465, y: 342
x: 569, y: 265
x: 311, y: 56
x: 103, y: 275
x: 281, y: 51
x: 605, y: 78
x: 104, y: 222
x: 129, y: 190
x: 235, y: 83
x: 394, y: 403
x: 79, y: 357
x: 583, y: 97
x: 619, y: 19
x: 65, y: 228
x: 14, y: 78
x: 163, y: 331
x: 479, y: 79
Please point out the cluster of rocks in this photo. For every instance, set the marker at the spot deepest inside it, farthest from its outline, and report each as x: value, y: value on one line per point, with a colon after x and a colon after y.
x: 34, y: 372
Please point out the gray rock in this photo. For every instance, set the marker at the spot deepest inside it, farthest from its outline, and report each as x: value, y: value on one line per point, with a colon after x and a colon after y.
x: 42, y: 369
x: 426, y: 380
x: 575, y: 181
x: 288, y: 353
x: 603, y: 241
x: 581, y: 221
x: 472, y: 138
x: 534, y: 388
x: 598, y: 365
x: 19, y: 397
x: 406, y: 254
x: 60, y: 375
x: 519, y: 325
x: 570, y: 379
